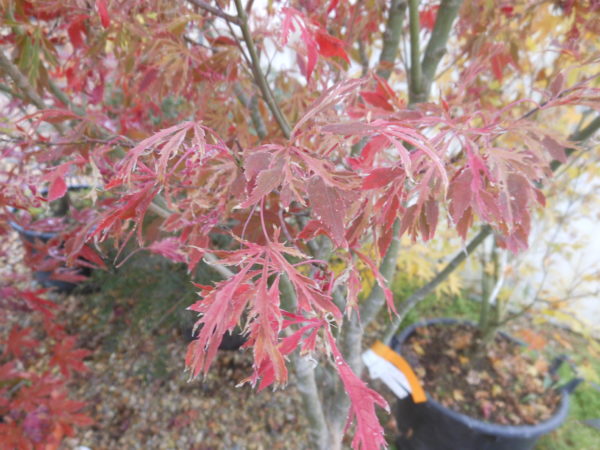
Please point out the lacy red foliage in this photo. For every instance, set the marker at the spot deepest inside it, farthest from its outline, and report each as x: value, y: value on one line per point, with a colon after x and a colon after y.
x: 177, y: 116
x: 35, y: 406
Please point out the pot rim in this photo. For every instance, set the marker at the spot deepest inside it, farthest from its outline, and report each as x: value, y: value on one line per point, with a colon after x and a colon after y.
x: 479, y: 425
x: 43, y: 235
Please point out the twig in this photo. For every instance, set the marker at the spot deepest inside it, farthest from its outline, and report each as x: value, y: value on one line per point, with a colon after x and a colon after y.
x: 252, y: 106
x: 259, y: 77
x: 23, y: 84
x: 216, y: 11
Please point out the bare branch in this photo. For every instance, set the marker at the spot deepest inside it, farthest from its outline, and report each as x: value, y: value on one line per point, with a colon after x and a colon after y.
x: 252, y: 105
x: 436, y: 47
x: 259, y: 77
x: 24, y: 86
x: 415, y: 81
x: 421, y: 293
x: 216, y: 11
x: 391, y: 38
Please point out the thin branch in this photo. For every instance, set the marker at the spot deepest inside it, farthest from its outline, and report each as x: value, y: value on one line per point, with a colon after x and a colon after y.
x: 391, y: 38
x: 578, y: 136
x: 421, y: 293
x: 216, y: 11
x: 60, y: 95
x: 415, y: 81
x: 4, y: 88
x: 21, y: 81
x: 239, y: 45
x: 24, y: 86
x: 259, y: 77
x: 436, y: 47
x: 252, y: 106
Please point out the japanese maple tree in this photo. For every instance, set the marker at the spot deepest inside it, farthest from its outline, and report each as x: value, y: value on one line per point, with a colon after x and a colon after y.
x: 299, y: 132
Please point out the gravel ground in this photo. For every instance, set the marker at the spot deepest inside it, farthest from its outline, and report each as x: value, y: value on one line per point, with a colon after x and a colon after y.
x: 140, y: 397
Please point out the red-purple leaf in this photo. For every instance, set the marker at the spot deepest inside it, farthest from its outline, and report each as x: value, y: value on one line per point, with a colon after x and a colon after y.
x: 103, y: 13
x: 58, y: 188
x: 68, y: 358
x: 556, y: 150
x: 76, y: 30
x: 376, y: 99
x: 266, y: 181
x: 330, y: 46
x: 90, y: 255
x: 368, y: 434
x: 19, y: 341
x: 170, y: 248
x: 381, y: 177
x: 328, y: 206
x: 460, y: 195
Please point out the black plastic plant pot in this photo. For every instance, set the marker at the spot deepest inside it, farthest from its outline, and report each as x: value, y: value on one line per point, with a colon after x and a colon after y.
x: 30, y: 236
x: 46, y: 277
x: 432, y: 426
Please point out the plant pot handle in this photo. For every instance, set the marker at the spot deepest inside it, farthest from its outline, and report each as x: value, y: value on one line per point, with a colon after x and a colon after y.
x: 572, y: 384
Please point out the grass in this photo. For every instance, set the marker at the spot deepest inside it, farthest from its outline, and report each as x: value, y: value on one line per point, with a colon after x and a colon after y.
x: 574, y: 434
x: 585, y: 405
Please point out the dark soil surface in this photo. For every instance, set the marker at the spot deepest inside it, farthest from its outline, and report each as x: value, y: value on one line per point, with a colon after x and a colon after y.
x: 505, y: 383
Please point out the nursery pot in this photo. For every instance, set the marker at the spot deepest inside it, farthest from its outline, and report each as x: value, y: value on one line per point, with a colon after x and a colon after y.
x: 432, y: 426
x: 31, y: 235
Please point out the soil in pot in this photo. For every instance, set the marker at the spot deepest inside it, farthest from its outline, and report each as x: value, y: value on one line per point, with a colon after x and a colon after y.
x: 503, y: 384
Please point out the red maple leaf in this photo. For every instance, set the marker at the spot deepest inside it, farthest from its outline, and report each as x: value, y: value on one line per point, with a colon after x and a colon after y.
x: 330, y: 46
x: 68, y: 358
x: 19, y: 340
